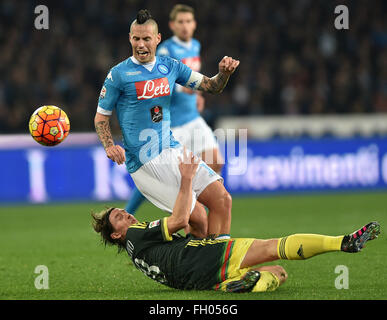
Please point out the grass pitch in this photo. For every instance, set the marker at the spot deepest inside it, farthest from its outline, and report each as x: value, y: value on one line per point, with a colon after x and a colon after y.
x: 60, y: 237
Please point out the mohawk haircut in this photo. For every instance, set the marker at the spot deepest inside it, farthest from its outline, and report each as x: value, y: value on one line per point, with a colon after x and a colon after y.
x: 144, y: 17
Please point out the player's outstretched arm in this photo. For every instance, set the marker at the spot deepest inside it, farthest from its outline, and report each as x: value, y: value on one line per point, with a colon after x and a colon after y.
x: 182, y: 209
x: 216, y: 84
x: 102, y: 126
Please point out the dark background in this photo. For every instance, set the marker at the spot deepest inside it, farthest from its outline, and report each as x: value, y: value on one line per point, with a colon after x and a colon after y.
x: 293, y: 60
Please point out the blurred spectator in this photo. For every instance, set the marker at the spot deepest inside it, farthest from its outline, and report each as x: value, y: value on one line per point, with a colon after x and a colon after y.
x: 293, y: 60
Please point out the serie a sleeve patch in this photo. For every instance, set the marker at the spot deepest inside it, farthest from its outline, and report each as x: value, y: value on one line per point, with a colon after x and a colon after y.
x: 154, y: 224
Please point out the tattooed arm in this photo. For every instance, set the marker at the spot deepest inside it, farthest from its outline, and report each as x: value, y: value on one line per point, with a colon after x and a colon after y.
x: 216, y: 84
x: 102, y: 126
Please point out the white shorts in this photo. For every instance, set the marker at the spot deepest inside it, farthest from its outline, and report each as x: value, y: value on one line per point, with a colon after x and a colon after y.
x: 196, y: 135
x: 159, y: 179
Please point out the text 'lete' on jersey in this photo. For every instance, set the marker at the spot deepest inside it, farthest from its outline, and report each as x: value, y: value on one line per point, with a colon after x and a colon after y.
x: 141, y: 96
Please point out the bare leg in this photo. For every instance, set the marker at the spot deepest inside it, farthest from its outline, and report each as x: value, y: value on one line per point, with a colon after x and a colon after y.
x: 216, y: 198
x: 259, y: 252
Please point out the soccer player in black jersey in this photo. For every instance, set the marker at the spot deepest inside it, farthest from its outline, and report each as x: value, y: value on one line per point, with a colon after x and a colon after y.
x: 206, y: 263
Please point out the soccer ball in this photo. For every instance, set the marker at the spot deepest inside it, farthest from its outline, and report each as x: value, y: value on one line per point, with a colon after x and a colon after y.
x: 49, y: 125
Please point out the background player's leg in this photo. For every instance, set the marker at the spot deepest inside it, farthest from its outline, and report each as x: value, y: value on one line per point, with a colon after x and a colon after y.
x: 218, y: 201
x: 135, y: 201
x: 213, y: 159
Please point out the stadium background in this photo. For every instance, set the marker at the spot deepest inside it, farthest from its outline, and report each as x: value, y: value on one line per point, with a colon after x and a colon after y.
x: 313, y: 98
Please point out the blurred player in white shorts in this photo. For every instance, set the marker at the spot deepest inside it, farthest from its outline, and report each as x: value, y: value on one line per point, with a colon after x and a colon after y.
x: 198, y: 137
x: 187, y: 125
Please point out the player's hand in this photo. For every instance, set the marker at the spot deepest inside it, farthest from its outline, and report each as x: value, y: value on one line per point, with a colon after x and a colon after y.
x: 116, y: 153
x: 228, y: 65
x: 188, y: 165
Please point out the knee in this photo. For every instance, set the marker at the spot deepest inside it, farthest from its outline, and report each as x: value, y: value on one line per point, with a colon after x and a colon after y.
x: 227, y: 201
x: 216, y: 198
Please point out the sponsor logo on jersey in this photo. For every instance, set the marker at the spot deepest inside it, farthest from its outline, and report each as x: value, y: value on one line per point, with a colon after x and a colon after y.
x: 193, y: 62
x: 152, y: 88
x: 156, y: 113
x: 163, y: 68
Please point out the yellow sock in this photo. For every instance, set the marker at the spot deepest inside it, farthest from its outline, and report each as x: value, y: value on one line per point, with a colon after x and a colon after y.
x: 303, y: 246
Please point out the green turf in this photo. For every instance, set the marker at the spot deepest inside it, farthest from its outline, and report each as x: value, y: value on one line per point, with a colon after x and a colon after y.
x: 60, y: 237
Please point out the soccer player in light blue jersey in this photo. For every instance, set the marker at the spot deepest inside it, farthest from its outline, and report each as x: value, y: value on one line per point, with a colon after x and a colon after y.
x: 187, y: 126
x: 139, y: 90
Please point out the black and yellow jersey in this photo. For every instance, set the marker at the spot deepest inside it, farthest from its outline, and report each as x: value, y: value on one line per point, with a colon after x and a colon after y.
x: 176, y: 261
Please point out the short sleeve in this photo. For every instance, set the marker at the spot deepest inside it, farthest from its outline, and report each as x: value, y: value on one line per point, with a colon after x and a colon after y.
x: 110, y: 93
x: 158, y: 228
x: 183, y: 72
x: 162, y: 50
x: 149, y: 232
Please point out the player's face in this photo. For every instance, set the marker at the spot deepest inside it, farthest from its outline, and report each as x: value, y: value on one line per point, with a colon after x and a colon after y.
x: 144, y: 40
x: 121, y: 221
x: 183, y: 26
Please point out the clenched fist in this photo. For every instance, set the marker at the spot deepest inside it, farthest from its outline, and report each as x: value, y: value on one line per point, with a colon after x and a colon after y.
x: 228, y: 65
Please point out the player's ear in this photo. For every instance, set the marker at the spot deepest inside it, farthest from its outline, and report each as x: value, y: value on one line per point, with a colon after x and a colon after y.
x: 115, y: 235
x: 171, y: 25
x: 158, y: 38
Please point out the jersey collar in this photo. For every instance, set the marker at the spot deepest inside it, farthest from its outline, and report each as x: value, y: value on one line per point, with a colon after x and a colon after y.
x: 149, y: 66
x: 184, y: 44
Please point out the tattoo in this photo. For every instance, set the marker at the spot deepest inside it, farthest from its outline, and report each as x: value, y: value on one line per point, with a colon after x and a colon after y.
x: 215, y: 84
x: 104, y: 134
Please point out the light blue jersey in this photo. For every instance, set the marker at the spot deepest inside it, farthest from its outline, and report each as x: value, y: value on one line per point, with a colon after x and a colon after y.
x: 142, y: 100
x: 183, y: 105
